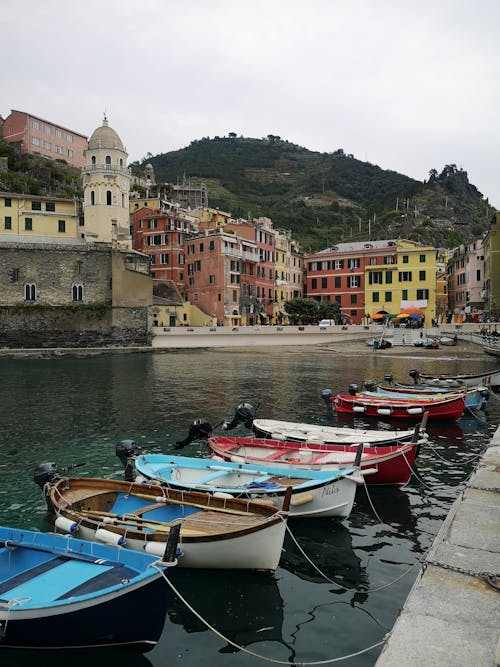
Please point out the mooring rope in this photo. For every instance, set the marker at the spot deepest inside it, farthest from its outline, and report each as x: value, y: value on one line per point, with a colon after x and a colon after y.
x: 295, y: 663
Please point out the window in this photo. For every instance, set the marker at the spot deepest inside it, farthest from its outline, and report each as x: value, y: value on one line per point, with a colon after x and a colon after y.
x: 28, y: 224
x: 13, y: 275
x: 8, y: 222
x: 421, y: 275
x: 235, y: 295
x: 59, y: 150
x: 30, y: 292
x: 50, y: 206
x: 324, y: 283
x: 405, y: 276
x: 70, y: 152
x: 61, y: 226
x: 59, y: 134
x: 314, y: 283
x: 46, y: 129
x: 422, y: 294
x: 92, y: 197
x: 152, y: 224
x: 354, y: 281
x: 77, y: 292
x: 211, y: 280
x: 376, y: 297
x: 35, y: 141
x: 353, y: 264
x: 404, y: 295
x: 373, y: 261
x: 108, y: 197
x: 388, y: 297
x: 422, y: 259
x: 337, y: 298
x: 338, y: 282
x: 388, y: 277
x: 69, y: 138
x: 388, y: 260
x: 338, y: 264
x: 107, y: 162
x: 163, y: 258
x: 211, y: 245
x: 405, y: 259
x: 36, y: 205
x: 202, y: 247
x: 478, y: 274
x: 47, y: 145
x: 375, y: 277
x: 8, y: 201
x: 354, y: 298
x: 35, y: 125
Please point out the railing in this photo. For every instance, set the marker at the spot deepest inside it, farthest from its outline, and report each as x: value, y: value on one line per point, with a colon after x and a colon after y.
x: 124, y: 171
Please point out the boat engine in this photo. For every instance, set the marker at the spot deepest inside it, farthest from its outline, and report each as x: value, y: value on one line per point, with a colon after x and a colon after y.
x: 415, y: 375
x: 245, y: 414
x: 326, y: 396
x: 46, y: 473
x: 353, y: 389
x: 200, y: 429
x: 369, y: 385
x: 389, y: 378
x: 126, y: 451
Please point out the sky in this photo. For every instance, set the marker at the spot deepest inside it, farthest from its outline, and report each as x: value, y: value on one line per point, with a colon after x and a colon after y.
x: 408, y: 86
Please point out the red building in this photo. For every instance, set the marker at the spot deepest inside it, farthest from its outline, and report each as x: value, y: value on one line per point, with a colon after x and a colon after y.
x: 338, y: 274
x: 31, y: 134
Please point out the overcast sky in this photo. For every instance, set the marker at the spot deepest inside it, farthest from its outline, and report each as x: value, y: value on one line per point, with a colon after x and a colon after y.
x: 409, y: 86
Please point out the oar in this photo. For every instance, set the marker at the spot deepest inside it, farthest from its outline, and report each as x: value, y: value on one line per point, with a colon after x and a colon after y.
x: 208, y: 506
x: 158, y: 526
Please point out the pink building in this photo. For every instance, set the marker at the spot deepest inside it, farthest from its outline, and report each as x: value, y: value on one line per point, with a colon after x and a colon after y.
x: 33, y: 135
x: 466, y: 278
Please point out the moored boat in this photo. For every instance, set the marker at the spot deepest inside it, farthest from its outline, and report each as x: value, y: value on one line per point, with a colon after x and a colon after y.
x: 215, y: 532
x: 488, y: 378
x: 389, y: 465
x: 475, y: 398
x: 444, y: 408
x: 314, y: 493
x: 57, y: 591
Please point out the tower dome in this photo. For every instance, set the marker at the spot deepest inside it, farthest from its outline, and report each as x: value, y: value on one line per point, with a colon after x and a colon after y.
x: 105, y: 137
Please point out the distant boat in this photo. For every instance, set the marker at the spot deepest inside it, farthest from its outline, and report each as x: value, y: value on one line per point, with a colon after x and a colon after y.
x: 488, y: 378
x: 59, y: 592
x: 222, y: 533
x: 446, y: 407
x: 315, y: 493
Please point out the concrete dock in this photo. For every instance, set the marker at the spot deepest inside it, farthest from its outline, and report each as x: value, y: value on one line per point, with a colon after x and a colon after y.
x: 452, y: 614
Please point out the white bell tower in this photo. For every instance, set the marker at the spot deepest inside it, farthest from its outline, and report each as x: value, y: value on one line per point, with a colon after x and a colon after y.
x: 106, y: 186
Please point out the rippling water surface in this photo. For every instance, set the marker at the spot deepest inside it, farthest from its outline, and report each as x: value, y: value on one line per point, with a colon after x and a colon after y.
x: 75, y: 410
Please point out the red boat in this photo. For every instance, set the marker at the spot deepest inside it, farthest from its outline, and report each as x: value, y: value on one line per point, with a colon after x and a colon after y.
x: 388, y: 465
x: 442, y: 407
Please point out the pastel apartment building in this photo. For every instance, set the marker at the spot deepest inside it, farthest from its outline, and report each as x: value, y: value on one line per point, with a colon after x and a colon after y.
x: 36, y: 136
x: 466, y: 278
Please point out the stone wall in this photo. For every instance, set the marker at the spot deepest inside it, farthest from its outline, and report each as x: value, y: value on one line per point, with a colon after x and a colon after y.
x: 54, y: 319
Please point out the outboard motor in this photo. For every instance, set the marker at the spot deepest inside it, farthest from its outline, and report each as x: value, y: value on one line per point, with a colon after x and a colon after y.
x: 415, y: 375
x: 245, y: 414
x: 126, y: 451
x: 46, y: 473
x: 326, y: 396
x: 389, y: 378
x: 370, y: 385
x: 353, y: 389
x: 200, y: 429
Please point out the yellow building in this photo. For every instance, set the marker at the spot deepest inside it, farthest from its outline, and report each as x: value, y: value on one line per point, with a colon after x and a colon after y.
x: 491, y: 245
x: 407, y: 279
x: 35, y: 219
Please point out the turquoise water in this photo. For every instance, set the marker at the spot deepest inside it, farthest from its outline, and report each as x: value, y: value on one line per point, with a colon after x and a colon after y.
x: 75, y: 410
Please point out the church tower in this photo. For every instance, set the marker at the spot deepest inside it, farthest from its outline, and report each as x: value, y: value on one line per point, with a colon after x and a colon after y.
x: 106, y: 186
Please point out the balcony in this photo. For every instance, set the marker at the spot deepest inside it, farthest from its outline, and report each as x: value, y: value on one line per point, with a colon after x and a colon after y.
x: 107, y: 168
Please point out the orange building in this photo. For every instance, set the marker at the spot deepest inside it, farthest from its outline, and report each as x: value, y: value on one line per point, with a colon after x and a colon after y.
x: 33, y: 135
x: 338, y: 274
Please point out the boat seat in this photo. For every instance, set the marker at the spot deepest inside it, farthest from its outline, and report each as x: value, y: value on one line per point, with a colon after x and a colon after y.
x: 278, y: 454
x: 212, y: 477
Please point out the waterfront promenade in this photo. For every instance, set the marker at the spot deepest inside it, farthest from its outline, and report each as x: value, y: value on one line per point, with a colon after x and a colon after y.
x: 452, y: 615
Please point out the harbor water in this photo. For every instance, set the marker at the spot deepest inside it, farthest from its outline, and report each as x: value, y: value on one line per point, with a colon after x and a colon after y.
x: 339, y: 586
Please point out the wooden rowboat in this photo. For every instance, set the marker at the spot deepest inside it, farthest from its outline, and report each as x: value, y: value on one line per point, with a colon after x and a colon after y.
x: 451, y: 407
x: 314, y: 493
x: 60, y: 592
x: 214, y: 532
x: 386, y: 465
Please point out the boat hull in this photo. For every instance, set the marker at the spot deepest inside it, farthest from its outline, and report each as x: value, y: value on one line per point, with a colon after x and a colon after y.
x: 314, y: 493
x: 490, y: 379
x: 447, y: 409
x: 37, y: 614
x: 380, y: 466
x: 474, y: 399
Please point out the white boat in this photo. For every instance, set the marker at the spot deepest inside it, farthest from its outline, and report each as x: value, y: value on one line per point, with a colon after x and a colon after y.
x: 221, y: 533
x: 315, y: 493
x: 488, y: 378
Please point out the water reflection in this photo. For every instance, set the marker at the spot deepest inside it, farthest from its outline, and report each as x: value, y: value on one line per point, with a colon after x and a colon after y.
x: 245, y: 607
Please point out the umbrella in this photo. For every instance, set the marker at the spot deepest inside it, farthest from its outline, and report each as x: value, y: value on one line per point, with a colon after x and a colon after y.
x: 402, y: 316
x: 412, y: 309
x: 389, y: 316
x: 416, y: 316
x: 377, y: 316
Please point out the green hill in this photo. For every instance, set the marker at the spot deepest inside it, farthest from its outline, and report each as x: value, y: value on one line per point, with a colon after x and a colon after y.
x: 324, y: 198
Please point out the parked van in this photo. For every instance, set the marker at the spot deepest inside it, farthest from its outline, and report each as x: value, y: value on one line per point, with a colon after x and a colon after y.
x: 326, y: 323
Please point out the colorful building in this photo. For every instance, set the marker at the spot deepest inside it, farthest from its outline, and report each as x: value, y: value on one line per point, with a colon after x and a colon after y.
x: 36, y: 136
x: 491, y: 244
x: 33, y: 219
x: 466, y: 278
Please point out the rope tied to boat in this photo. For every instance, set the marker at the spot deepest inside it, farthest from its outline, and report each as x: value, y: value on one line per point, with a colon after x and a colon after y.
x: 8, y: 606
x: 295, y: 663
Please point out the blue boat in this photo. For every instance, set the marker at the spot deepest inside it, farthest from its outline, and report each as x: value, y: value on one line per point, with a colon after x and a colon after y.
x: 314, y: 493
x: 60, y: 592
